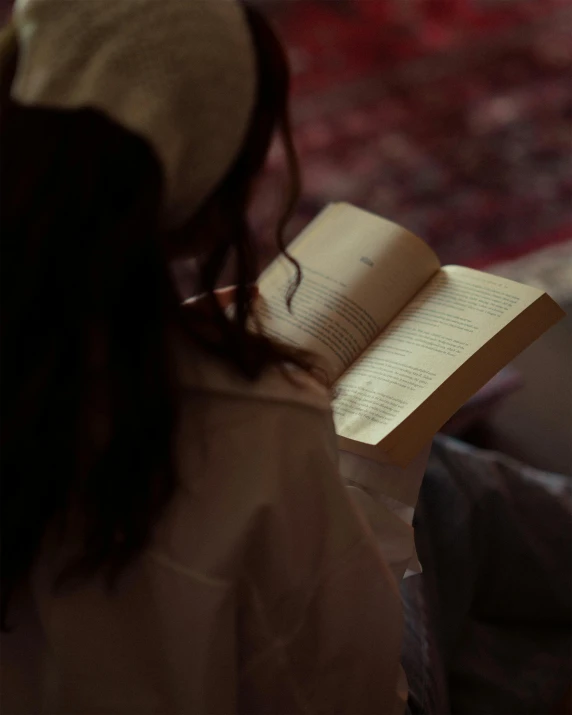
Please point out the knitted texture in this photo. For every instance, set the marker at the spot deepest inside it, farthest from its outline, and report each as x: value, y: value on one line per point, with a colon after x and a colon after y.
x: 178, y: 73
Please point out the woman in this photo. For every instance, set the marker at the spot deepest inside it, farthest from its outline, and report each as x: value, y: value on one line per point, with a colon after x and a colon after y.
x: 175, y: 534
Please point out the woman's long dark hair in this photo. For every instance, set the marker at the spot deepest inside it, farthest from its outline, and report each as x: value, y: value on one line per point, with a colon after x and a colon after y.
x: 89, y: 404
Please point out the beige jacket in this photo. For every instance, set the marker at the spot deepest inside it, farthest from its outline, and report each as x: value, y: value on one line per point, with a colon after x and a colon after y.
x: 263, y: 592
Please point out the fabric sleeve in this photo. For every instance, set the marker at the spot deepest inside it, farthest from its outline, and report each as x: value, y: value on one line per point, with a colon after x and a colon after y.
x: 386, y: 495
x: 319, y: 617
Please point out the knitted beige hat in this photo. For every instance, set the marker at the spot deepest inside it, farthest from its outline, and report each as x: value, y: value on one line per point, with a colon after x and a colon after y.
x: 179, y: 73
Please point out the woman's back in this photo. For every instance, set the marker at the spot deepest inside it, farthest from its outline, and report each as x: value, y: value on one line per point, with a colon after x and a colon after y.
x: 253, y: 577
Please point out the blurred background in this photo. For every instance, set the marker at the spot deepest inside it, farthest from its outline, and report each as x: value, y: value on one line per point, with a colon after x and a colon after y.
x: 454, y: 119
x: 451, y: 117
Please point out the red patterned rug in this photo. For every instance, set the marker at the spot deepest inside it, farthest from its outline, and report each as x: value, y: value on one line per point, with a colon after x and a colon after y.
x: 463, y: 136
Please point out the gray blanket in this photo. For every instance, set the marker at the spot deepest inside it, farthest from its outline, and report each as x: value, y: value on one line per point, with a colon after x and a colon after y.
x: 489, y: 621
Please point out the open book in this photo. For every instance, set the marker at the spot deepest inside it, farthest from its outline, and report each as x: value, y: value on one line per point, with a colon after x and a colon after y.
x: 405, y: 341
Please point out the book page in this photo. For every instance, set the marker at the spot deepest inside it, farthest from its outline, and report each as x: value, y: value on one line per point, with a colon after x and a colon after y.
x: 458, y: 312
x: 358, y: 270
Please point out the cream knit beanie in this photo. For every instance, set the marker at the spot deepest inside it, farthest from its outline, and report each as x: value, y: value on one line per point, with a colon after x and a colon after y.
x: 178, y: 73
